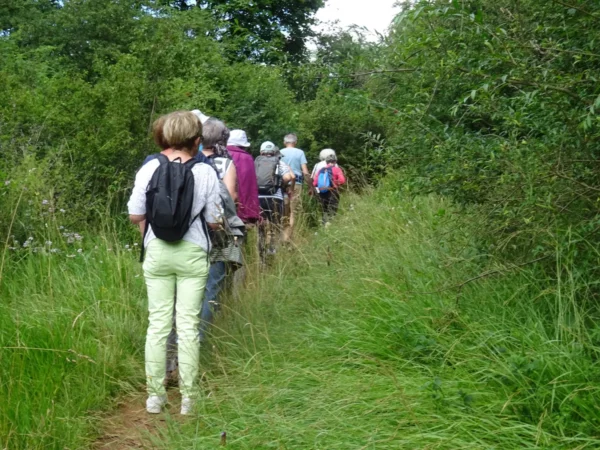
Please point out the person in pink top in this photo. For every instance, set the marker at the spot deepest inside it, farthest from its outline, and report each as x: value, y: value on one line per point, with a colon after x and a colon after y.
x: 248, y: 207
x: 327, y: 179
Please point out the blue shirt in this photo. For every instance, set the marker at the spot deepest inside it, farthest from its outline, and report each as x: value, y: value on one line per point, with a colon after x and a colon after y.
x: 294, y: 157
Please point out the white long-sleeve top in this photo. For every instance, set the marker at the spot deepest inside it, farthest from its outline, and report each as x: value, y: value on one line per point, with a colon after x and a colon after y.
x: 206, y: 196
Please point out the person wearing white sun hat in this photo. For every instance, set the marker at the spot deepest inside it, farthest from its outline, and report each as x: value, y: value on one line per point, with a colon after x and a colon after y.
x: 325, y: 153
x: 327, y: 179
x: 203, y: 117
x: 248, y: 206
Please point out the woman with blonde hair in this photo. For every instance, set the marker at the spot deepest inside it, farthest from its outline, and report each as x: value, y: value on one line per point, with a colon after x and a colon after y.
x: 173, y: 263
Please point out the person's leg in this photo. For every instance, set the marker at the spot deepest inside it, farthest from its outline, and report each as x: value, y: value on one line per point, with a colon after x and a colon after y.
x: 160, y: 282
x: 192, y: 272
x: 324, y: 200
x: 288, y: 218
x: 214, y: 285
x: 269, y: 217
x: 263, y: 234
x: 334, y: 203
x: 172, y: 342
x: 295, y: 209
x: 275, y: 223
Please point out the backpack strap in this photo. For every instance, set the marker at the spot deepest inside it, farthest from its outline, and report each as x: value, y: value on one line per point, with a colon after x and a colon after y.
x: 143, y: 249
x: 162, y: 159
x: 278, y: 175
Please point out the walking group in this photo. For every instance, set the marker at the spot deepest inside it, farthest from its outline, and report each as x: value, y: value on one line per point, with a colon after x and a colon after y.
x: 194, y: 202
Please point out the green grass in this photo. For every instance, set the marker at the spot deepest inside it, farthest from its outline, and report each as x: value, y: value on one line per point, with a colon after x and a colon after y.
x: 71, y: 339
x: 358, y: 339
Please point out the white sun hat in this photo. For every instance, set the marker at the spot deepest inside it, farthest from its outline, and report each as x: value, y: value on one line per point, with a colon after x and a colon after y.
x: 203, y: 117
x: 268, y: 147
x: 238, y: 138
x: 326, y: 154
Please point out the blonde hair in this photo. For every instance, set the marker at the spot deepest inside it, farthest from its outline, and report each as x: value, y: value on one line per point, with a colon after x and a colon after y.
x: 181, y: 129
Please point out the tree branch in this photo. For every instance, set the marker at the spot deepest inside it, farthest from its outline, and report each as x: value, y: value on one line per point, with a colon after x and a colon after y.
x: 372, y: 72
x: 581, y: 10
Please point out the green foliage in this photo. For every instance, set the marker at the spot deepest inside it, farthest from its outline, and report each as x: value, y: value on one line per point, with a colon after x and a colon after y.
x: 265, y: 30
x: 499, y: 110
x: 86, y: 135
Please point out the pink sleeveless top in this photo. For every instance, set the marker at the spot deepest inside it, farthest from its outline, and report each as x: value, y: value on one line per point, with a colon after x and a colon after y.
x: 248, y: 205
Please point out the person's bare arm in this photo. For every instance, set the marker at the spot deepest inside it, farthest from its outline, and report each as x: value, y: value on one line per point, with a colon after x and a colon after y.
x: 289, y: 180
x: 307, y: 176
x: 137, y: 219
x: 230, y: 180
x: 142, y: 226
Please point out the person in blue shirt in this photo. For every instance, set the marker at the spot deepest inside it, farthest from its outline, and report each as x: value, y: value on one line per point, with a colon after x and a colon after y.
x: 296, y: 159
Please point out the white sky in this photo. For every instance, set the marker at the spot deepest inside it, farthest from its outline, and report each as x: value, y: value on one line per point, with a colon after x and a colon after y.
x: 376, y: 15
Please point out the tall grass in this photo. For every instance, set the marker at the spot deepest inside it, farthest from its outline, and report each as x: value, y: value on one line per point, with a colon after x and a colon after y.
x: 71, y: 337
x: 389, y: 329
x: 367, y: 336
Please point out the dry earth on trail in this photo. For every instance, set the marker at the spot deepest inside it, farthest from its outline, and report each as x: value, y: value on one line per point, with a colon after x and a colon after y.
x: 131, y: 427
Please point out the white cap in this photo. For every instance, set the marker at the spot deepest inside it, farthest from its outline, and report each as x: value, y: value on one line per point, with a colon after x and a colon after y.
x: 238, y: 138
x: 203, y: 118
x: 268, y: 147
x: 326, y: 154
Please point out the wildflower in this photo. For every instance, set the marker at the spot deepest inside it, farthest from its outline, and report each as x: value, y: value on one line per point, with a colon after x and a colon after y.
x: 70, y: 256
x: 25, y: 244
x: 30, y: 238
x: 61, y: 228
x: 79, y: 250
x: 135, y: 245
x: 62, y: 211
x: 48, y: 243
x: 54, y: 250
x: 50, y: 210
x: 7, y: 182
x: 78, y: 236
x: 45, y: 202
x: 127, y: 246
x: 70, y: 240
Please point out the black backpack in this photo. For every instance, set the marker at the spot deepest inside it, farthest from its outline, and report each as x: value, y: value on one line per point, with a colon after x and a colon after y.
x: 266, y: 174
x: 170, y: 199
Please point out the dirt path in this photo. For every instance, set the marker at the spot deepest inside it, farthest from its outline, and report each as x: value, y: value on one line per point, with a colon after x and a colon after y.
x: 130, y: 427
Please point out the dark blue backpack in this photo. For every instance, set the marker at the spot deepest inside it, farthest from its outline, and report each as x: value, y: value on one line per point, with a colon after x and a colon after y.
x: 170, y: 200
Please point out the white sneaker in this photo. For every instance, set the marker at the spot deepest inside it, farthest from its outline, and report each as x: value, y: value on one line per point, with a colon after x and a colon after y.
x: 187, y: 405
x: 155, y: 403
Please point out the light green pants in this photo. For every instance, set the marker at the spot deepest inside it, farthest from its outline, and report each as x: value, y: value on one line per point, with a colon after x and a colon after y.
x: 170, y: 264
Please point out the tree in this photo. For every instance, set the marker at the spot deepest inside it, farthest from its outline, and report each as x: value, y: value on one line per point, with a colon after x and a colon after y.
x: 14, y: 13
x: 264, y: 30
